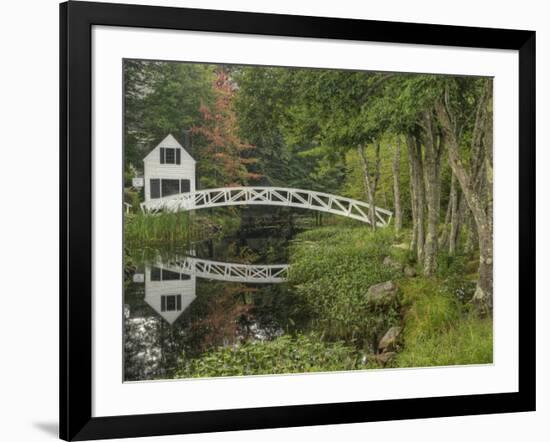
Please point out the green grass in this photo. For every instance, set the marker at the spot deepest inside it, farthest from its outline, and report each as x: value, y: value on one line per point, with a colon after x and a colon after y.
x: 178, y: 227
x: 164, y: 227
x: 440, y: 329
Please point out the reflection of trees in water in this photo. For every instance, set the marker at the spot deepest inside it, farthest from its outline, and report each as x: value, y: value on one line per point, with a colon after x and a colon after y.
x: 141, y: 350
x: 223, y: 313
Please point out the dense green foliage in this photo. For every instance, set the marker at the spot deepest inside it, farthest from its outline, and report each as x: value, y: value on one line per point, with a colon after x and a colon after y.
x: 301, y: 354
x: 332, y: 269
x: 162, y: 98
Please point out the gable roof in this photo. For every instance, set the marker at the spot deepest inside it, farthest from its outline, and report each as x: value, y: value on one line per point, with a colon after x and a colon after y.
x: 171, y: 142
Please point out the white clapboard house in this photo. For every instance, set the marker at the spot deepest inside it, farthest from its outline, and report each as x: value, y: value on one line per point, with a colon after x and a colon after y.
x: 168, y: 170
x: 169, y: 292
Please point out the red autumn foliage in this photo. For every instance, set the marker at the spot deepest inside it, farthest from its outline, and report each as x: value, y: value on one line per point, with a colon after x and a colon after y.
x: 225, y: 151
x: 222, y: 319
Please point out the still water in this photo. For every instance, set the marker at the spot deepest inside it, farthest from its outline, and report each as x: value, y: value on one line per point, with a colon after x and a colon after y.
x: 174, y: 310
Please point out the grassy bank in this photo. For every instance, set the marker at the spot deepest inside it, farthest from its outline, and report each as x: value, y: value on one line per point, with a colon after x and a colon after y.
x: 178, y: 227
x: 332, y: 268
x: 440, y: 328
x: 165, y: 227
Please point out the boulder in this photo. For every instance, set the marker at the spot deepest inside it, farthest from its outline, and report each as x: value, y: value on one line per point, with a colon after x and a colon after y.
x: 389, y: 340
x: 389, y: 262
x: 383, y: 293
x: 409, y: 271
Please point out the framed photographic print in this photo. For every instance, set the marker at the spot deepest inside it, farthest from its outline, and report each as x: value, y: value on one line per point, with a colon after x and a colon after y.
x: 272, y: 220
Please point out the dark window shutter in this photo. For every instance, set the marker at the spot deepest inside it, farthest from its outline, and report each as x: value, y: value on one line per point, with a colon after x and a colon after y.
x: 178, y: 156
x: 178, y: 302
x: 162, y: 155
x: 185, y: 186
x: 163, y: 303
x: 155, y: 188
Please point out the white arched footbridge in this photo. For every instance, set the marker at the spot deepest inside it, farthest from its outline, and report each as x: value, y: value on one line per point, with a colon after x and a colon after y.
x: 272, y: 196
x: 225, y: 271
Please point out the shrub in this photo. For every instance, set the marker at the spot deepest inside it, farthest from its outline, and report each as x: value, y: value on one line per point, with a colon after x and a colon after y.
x: 286, y: 354
x: 332, y: 269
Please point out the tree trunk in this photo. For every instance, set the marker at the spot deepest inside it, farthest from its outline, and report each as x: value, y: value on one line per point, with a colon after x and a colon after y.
x: 479, y: 202
x: 417, y: 195
x: 444, y: 237
x: 397, y: 186
x: 472, y: 241
x: 433, y: 146
x: 483, y: 296
x: 411, y: 149
x: 421, y: 201
x: 457, y: 212
x: 370, y: 183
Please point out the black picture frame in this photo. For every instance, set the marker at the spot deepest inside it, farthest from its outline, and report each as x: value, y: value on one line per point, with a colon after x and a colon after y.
x: 76, y: 21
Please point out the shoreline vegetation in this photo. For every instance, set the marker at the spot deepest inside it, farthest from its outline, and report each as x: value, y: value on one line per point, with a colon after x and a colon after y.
x: 142, y: 228
x: 417, y: 321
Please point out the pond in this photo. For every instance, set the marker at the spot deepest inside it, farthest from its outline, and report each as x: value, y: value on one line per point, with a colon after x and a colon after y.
x: 181, y: 300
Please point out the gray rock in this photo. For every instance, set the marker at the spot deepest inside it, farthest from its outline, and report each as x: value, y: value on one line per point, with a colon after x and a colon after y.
x: 383, y: 293
x: 409, y: 271
x: 389, y: 262
x: 389, y: 340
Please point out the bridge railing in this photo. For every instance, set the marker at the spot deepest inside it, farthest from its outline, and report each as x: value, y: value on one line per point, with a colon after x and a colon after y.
x: 274, y: 196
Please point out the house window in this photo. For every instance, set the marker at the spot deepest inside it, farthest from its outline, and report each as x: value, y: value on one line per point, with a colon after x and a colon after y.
x: 168, y: 275
x: 156, y: 274
x: 170, y: 303
x: 170, y: 187
x: 169, y: 155
x: 155, y: 188
x: 161, y: 187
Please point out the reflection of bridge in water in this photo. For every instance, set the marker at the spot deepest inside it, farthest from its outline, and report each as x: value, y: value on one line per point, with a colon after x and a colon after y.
x: 270, y: 196
x: 225, y: 271
x: 170, y: 286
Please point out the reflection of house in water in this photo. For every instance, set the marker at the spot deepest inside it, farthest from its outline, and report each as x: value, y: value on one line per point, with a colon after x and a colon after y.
x: 168, y: 292
x: 170, y: 286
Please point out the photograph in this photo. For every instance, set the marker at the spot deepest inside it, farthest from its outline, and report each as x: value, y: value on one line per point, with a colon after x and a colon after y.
x: 290, y: 220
